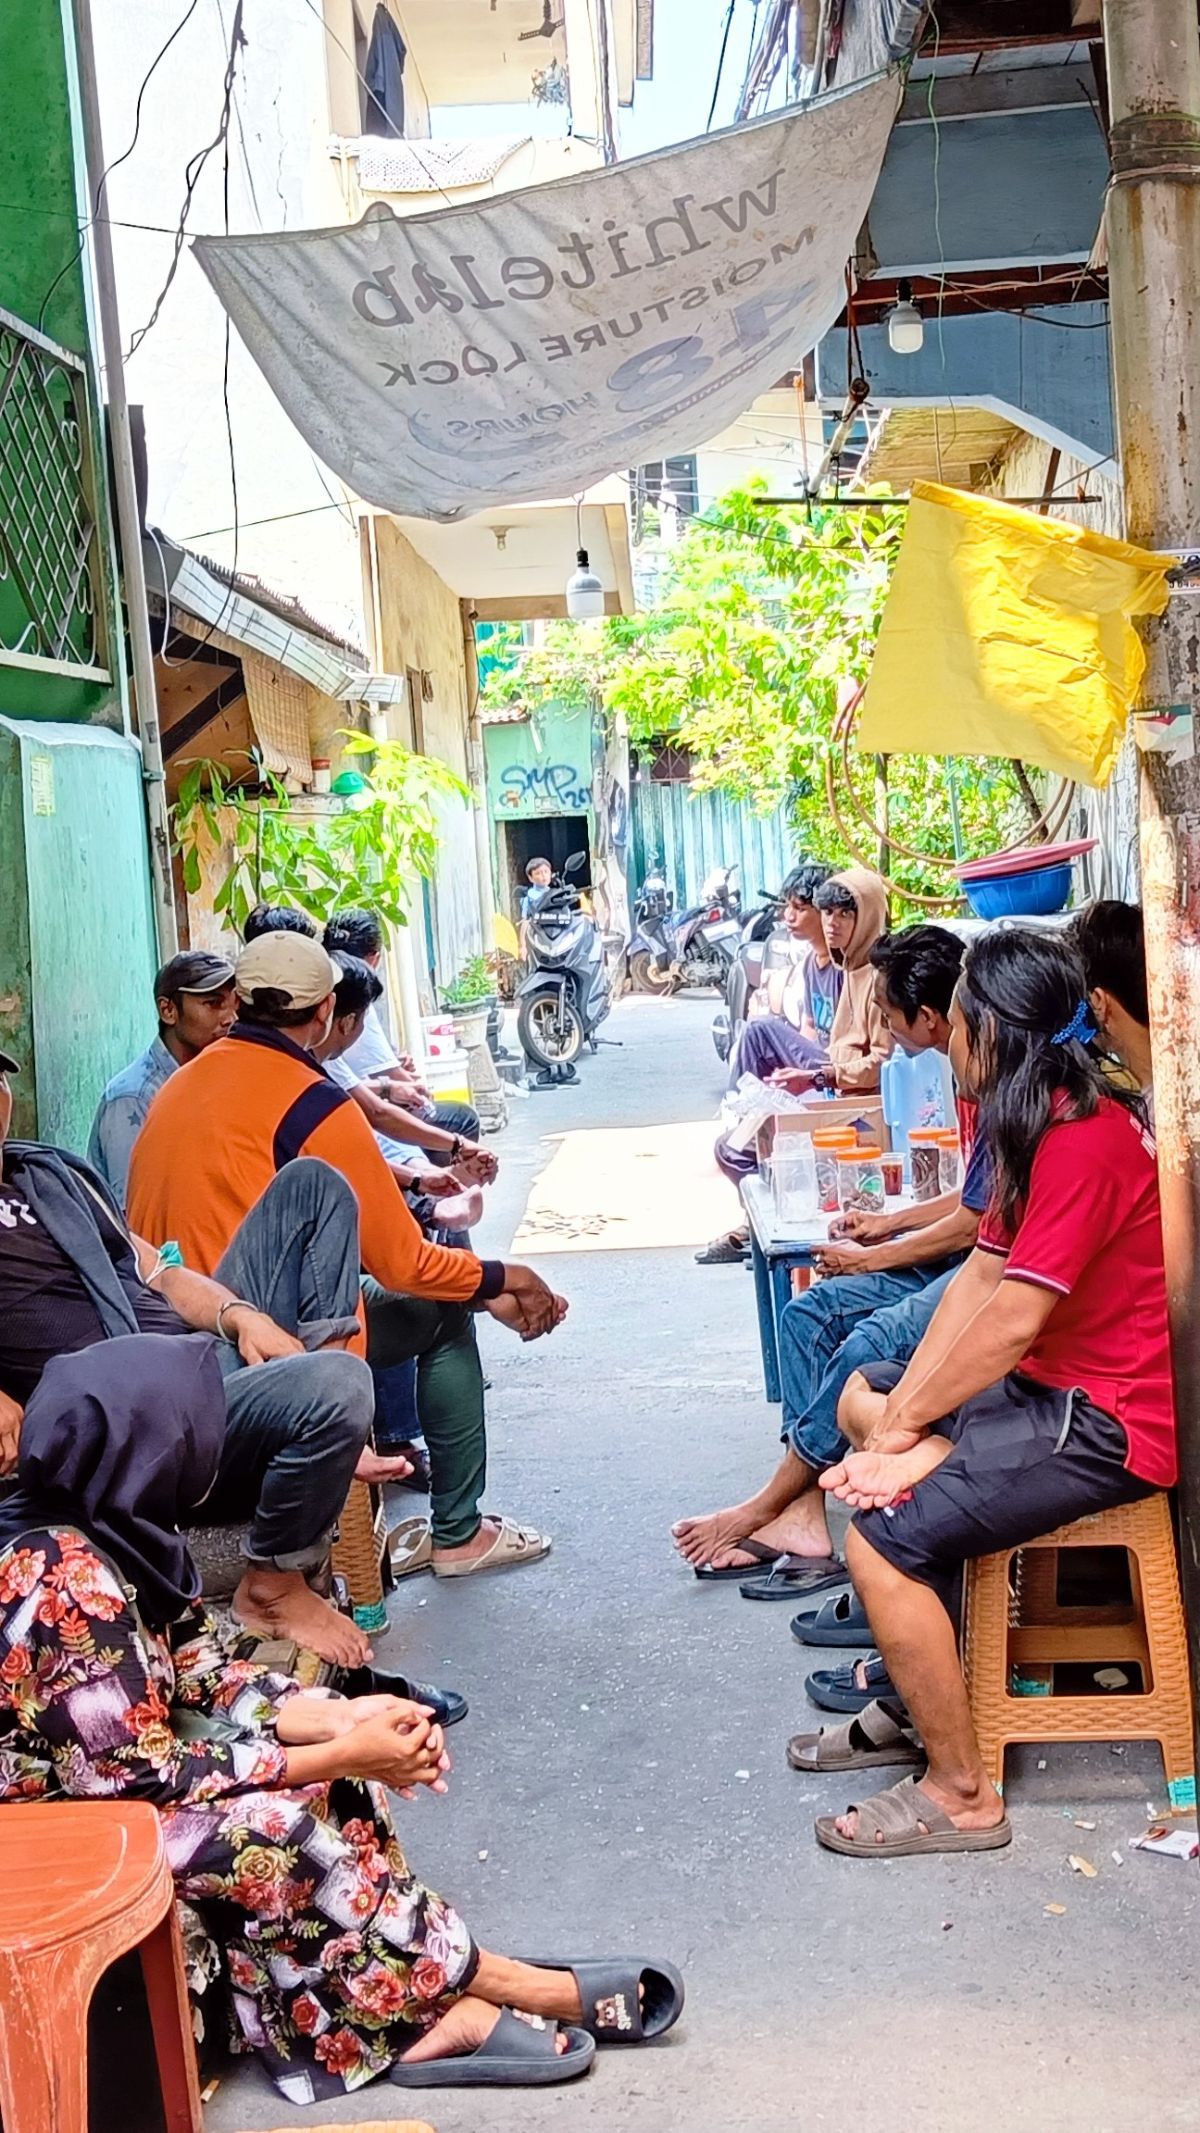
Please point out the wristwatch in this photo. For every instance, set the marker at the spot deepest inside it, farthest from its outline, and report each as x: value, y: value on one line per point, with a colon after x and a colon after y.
x: 456, y: 1147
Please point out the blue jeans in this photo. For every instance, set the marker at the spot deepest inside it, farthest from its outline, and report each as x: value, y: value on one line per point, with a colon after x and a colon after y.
x: 836, y: 1328
x: 295, y: 1427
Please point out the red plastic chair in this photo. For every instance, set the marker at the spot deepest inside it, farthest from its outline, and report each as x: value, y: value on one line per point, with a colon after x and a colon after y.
x: 82, y: 1883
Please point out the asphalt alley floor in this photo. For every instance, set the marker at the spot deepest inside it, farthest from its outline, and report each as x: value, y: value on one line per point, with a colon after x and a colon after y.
x: 620, y: 1784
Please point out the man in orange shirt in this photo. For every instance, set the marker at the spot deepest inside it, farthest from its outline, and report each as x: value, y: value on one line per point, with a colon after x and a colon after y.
x: 216, y: 1136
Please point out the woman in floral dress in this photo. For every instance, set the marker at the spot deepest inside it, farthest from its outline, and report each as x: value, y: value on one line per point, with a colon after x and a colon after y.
x: 114, y: 1683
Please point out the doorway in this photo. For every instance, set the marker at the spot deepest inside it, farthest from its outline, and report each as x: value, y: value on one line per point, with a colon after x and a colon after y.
x: 552, y: 837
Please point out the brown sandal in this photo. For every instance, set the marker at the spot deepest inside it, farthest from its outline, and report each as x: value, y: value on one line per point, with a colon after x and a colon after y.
x: 894, y: 1824
x: 872, y: 1737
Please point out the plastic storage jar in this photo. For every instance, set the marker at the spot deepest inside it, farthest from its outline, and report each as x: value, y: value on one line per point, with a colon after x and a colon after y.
x: 828, y: 1143
x: 924, y: 1155
x: 860, y: 1181
x: 949, y: 1161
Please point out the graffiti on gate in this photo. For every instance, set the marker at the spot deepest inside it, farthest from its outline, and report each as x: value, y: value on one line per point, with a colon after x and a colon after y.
x: 544, y: 789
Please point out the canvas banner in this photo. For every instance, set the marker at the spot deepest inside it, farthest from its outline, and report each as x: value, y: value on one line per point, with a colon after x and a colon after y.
x: 530, y: 344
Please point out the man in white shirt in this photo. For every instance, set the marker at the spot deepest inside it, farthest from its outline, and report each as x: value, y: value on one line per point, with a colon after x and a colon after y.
x: 384, y: 1082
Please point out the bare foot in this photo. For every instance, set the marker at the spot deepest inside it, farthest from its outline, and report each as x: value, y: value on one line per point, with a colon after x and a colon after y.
x: 378, y: 1467
x: 868, y: 1481
x: 279, y: 1603
x: 463, y: 2028
x: 981, y: 1809
x: 715, y: 1541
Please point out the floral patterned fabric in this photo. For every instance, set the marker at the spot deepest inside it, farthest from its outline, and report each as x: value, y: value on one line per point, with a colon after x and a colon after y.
x: 337, y: 1957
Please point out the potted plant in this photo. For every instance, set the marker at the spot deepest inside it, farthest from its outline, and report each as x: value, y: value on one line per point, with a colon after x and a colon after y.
x: 469, y: 999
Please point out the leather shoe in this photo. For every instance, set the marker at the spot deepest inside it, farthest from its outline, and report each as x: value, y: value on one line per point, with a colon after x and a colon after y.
x: 447, y: 1705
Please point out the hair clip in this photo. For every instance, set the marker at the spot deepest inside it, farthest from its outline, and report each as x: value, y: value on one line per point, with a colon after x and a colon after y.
x: 1081, y: 1028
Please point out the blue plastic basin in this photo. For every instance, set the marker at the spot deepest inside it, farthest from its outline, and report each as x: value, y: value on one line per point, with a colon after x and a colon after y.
x: 1031, y: 895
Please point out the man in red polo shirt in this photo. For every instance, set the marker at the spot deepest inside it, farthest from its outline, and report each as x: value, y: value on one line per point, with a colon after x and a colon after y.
x: 1041, y: 1392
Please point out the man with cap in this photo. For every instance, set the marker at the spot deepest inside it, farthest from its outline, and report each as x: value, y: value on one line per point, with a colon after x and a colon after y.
x: 196, y: 1005
x: 282, y: 1304
x: 216, y: 1137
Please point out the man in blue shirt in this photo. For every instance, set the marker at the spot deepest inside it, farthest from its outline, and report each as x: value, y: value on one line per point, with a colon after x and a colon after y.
x: 196, y: 1005
x: 890, y: 1269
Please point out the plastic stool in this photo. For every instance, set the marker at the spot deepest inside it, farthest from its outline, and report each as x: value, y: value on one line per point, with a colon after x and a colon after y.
x: 81, y: 1883
x: 1013, y: 1624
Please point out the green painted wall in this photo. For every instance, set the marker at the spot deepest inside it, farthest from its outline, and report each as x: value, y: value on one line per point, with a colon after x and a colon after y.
x: 77, y: 943
x: 542, y: 766
x: 39, y: 227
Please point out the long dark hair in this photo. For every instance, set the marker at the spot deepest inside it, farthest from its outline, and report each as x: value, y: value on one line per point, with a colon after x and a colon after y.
x: 1024, y: 1000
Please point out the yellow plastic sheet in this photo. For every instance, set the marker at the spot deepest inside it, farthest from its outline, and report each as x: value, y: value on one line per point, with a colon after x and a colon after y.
x: 1006, y: 634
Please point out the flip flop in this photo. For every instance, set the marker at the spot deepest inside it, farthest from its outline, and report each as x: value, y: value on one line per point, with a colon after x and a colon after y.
x: 513, y: 1546
x: 835, y: 1688
x: 729, y: 1571
x: 792, y: 1576
x: 895, y: 1824
x: 410, y: 1547
x: 619, y: 2012
x: 520, y: 2053
x: 841, y: 1622
x: 875, y: 1736
x: 723, y: 1251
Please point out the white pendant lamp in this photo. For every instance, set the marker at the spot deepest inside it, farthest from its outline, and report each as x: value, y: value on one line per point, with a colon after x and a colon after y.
x: 585, y: 593
x: 905, y: 326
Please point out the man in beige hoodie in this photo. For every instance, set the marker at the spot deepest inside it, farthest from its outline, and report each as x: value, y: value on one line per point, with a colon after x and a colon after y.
x: 853, y: 908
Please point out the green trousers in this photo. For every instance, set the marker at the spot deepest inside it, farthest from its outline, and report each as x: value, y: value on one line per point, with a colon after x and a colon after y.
x: 440, y: 1338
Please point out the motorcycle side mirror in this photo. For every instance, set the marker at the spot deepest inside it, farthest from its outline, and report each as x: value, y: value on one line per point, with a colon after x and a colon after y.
x: 576, y: 862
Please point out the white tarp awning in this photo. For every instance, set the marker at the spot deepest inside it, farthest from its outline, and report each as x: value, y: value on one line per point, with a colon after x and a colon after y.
x: 525, y: 345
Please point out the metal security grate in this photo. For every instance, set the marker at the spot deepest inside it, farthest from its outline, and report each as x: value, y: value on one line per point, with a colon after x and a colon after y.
x: 51, y: 598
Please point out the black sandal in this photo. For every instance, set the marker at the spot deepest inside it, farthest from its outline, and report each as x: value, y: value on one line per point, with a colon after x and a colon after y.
x: 521, y: 2052
x: 730, y: 1571
x: 624, y: 2000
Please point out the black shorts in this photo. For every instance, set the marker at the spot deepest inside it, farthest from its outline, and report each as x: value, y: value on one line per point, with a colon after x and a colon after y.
x: 1027, y: 1458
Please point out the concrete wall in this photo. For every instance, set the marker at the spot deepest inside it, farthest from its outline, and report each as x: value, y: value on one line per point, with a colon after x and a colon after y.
x: 295, y: 528
x: 77, y: 944
x: 421, y: 630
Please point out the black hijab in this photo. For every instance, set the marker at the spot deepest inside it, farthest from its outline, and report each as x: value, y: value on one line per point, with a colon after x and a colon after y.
x: 121, y: 1441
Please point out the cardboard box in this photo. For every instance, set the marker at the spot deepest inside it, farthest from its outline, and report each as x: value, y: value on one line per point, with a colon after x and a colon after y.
x: 865, y: 1113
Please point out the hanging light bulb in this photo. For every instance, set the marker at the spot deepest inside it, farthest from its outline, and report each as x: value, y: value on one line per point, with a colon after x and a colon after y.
x: 585, y: 593
x: 905, y: 326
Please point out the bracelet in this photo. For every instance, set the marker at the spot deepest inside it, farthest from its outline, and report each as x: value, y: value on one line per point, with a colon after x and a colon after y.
x: 231, y: 1303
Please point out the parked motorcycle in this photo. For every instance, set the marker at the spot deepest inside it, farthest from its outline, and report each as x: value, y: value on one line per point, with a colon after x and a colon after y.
x: 671, y: 951
x: 566, y: 995
x: 765, y: 945
x: 651, y: 952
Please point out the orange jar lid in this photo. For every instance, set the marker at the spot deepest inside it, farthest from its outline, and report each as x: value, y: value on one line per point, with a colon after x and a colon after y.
x: 947, y: 1137
x: 866, y: 1154
x: 835, y: 1137
x: 927, y: 1136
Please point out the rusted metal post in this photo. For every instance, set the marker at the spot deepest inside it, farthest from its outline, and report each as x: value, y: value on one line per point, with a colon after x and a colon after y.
x: 1153, y: 222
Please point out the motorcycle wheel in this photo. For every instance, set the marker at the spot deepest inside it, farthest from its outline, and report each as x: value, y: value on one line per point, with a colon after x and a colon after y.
x: 645, y: 974
x: 550, y: 1029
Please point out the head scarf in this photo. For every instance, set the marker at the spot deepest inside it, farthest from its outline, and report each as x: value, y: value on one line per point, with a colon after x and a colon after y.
x: 122, y: 1441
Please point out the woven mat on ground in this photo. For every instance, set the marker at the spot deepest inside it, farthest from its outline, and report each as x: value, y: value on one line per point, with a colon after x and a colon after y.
x: 629, y: 1188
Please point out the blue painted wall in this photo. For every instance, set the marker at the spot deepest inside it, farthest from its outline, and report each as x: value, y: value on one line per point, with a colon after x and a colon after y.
x: 1057, y: 373
x: 1006, y: 187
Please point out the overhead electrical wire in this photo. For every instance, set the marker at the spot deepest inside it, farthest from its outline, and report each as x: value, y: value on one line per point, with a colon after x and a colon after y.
x: 116, y: 163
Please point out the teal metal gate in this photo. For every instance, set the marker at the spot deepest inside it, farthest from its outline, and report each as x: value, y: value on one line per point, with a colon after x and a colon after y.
x: 688, y: 833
